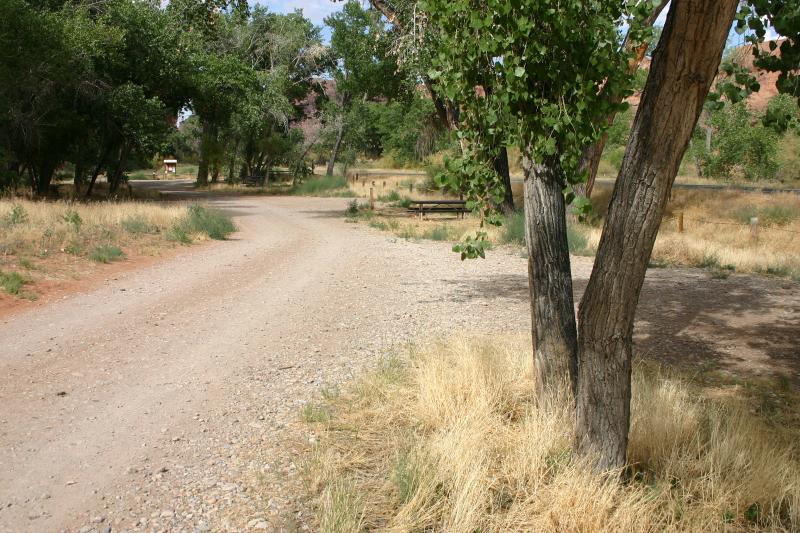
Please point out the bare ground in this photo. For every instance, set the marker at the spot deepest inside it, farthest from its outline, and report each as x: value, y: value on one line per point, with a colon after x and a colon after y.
x: 169, y: 398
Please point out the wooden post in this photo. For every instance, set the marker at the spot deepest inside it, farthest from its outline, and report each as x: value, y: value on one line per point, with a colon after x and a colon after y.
x: 680, y: 222
x: 411, y: 186
x: 754, y: 229
x: 371, y: 199
x: 384, y: 184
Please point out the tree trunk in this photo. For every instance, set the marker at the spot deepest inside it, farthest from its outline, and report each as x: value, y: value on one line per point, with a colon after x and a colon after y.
x: 590, y: 157
x: 336, y: 146
x: 116, y: 177
x: 501, y: 167
x: 206, y: 143
x: 549, y: 277
x: 684, y: 66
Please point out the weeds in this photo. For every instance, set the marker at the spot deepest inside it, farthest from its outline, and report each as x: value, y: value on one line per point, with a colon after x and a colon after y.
x: 138, y: 225
x: 12, y: 282
x: 202, y: 220
x: 106, y: 254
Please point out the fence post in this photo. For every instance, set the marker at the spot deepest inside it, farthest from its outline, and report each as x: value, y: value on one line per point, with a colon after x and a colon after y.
x: 411, y: 186
x: 754, y: 229
x: 371, y: 199
x: 680, y: 222
x: 384, y: 184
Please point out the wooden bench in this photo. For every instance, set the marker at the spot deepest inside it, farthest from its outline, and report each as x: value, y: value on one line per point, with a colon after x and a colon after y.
x: 420, y: 207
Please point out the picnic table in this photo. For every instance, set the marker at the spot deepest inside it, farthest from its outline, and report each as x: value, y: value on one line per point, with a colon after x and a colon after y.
x: 420, y: 207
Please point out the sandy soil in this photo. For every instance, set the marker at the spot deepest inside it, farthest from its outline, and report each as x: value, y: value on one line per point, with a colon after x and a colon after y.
x: 168, y: 399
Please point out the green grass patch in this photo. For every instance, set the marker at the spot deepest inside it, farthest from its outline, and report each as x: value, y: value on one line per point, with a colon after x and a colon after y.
x: 513, y: 229
x: 771, y: 215
x: 106, y: 254
x: 212, y: 222
x: 313, y: 413
x: 578, y: 242
x: 437, y: 233
x: 12, y: 282
x: 323, y: 186
x: 138, y: 225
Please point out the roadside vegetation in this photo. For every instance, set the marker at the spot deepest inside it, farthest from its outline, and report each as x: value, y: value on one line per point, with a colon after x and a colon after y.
x: 451, y: 437
x: 716, y: 232
x: 59, y: 240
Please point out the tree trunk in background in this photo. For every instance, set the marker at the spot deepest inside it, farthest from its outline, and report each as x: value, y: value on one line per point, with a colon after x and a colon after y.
x: 684, y: 66
x: 116, y: 177
x: 549, y: 277
x: 43, y: 178
x: 102, y: 161
x: 501, y: 167
x: 590, y: 157
x: 336, y: 145
x: 205, y: 153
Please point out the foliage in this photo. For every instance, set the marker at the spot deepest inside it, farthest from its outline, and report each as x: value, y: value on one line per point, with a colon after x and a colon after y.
x: 782, y: 114
x: 740, y: 145
x: 322, y: 185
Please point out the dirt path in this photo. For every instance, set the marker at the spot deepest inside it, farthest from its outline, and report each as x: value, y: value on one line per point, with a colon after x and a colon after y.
x: 168, y: 399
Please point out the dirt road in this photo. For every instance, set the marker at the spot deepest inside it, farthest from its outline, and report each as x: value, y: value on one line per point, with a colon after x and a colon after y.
x: 168, y: 399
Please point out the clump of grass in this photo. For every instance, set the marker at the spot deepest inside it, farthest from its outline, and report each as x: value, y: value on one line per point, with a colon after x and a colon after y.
x: 138, y: 225
x: 578, y: 241
x: 314, y: 413
x: 323, y: 186
x: 392, y: 196
x: 770, y: 215
x: 437, y: 233
x: 202, y: 220
x: 458, y: 433
x: 106, y: 254
x: 352, y: 208
x: 513, y: 229
x: 12, y: 282
x: 16, y: 215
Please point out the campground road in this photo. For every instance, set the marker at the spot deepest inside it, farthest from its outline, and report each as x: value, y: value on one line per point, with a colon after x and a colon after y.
x: 168, y: 398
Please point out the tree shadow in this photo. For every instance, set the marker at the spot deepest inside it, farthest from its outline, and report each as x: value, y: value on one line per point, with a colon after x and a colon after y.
x: 744, y: 325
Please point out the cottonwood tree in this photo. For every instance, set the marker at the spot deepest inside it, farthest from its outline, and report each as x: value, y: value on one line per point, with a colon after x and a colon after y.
x: 416, y: 44
x: 684, y: 66
x: 363, y: 68
x: 557, y: 56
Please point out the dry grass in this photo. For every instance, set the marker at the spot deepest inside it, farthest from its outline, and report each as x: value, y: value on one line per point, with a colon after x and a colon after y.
x: 451, y: 439
x: 58, y: 240
x: 717, y: 235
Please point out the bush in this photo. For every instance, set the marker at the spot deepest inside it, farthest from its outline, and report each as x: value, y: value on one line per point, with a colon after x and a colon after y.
x: 770, y: 215
x: 578, y: 242
x: 106, y: 254
x: 16, y: 215
x: 12, y: 282
x: 740, y: 146
x: 202, y: 220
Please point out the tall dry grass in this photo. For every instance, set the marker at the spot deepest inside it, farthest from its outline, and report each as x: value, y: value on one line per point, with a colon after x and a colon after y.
x: 452, y: 439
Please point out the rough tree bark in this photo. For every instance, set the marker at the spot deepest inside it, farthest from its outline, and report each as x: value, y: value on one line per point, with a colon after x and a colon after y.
x: 684, y: 66
x: 549, y: 277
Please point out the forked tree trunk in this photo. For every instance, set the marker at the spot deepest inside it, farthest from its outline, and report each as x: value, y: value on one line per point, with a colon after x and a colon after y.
x: 549, y: 277
x: 335, y: 151
x: 684, y: 66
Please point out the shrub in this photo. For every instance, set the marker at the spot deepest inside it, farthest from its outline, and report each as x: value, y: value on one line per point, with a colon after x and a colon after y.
x: 72, y: 218
x: 437, y: 233
x: 352, y: 208
x: 106, y: 254
x: 212, y: 222
x: 12, y: 282
x: 393, y: 196
x: 16, y: 215
x: 740, y: 146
